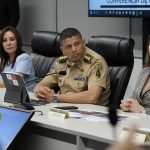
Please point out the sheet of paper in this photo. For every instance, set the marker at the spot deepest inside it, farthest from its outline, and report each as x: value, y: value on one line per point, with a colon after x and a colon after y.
x: 92, y: 115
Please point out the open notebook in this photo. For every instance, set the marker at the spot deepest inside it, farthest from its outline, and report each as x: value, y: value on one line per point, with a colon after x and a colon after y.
x: 10, y: 127
x: 16, y: 91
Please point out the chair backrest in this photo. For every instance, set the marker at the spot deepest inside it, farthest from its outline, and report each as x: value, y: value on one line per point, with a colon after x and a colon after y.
x: 45, y: 49
x: 118, y: 53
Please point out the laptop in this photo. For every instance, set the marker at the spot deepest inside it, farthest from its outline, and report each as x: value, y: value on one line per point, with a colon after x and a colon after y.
x: 10, y: 128
x: 16, y: 91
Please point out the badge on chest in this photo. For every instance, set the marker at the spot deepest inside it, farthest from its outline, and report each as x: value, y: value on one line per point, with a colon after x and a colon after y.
x: 79, y: 78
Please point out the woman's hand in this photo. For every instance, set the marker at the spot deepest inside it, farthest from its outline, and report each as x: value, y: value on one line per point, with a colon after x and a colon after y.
x: 131, y: 105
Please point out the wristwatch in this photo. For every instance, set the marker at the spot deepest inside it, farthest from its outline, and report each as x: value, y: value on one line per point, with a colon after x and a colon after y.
x: 54, y: 98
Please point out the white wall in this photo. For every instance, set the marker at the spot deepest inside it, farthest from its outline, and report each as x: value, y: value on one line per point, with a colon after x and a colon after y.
x: 75, y: 13
x: 135, y: 72
x: 41, y: 15
x: 36, y: 15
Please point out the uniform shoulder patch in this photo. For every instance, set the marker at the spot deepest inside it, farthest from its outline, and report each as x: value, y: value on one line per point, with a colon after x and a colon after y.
x: 62, y: 59
x: 88, y: 58
x: 98, y: 68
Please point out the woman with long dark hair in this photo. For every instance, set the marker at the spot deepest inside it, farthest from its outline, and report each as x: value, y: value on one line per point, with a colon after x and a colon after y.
x: 13, y: 58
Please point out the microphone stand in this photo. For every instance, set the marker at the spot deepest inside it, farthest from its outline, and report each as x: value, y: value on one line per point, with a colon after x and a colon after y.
x: 39, y: 79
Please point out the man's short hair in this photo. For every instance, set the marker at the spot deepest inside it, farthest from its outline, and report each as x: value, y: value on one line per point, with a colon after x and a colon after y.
x: 68, y: 33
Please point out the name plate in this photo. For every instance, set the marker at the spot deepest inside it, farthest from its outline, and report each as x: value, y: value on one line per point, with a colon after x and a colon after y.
x: 56, y: 113
x: 140, y: 136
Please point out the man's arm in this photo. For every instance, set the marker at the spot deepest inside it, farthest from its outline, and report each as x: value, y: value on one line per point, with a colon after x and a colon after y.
x: 91, y: 96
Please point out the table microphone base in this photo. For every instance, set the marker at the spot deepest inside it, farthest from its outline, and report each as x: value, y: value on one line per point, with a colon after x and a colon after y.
x: 24, y: 106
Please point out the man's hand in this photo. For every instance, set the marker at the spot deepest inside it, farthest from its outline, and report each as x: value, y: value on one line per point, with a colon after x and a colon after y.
x: 44, y: 93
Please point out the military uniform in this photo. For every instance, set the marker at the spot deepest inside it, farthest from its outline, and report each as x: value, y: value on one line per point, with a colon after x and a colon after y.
x: 91, y: 70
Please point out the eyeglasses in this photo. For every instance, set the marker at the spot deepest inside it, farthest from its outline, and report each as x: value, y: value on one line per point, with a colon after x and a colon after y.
x: 70, y: 46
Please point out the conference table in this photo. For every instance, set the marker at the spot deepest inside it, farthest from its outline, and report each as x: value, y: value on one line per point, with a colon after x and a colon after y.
x: 46, y: 133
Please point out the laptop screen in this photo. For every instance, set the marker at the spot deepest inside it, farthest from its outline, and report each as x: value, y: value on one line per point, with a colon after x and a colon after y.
x: 11, y: 122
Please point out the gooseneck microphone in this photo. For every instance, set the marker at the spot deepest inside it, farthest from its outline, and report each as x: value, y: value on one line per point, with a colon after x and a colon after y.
x: 113, y: 115
x: 63, y: 73
x: 113, y: 118
x: 24, y: 94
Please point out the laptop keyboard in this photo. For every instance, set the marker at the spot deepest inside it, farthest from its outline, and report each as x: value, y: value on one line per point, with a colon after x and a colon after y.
x: 38, y: 102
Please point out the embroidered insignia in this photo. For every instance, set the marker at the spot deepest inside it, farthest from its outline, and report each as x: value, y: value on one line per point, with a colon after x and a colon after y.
x: 88, y: 58
x: 62, y: 59
x: 98, y: 72
x: 80, y: 78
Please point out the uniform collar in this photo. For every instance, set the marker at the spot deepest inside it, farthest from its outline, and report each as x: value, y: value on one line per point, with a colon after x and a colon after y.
x: 79, y: 64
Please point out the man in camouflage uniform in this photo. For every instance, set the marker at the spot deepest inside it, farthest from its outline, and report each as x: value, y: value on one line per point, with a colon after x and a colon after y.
x: 86, y: 77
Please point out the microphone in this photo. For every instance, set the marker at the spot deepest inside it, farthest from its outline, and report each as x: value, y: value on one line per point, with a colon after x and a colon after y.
x: 63, y: 73
x: 113, y: 118
x: 25, y: 96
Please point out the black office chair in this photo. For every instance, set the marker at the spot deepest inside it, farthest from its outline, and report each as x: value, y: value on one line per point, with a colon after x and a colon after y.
x: 118, y: 52
x: 45, y: 47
